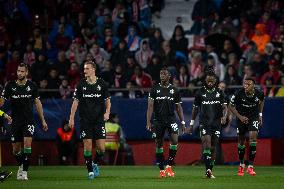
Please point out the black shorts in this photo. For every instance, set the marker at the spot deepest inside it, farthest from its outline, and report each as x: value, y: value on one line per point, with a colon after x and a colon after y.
x: 160, y: 127
x: 21, y: 130
x: 212, y: 130
x: 251, y: 126
x: 92, y: 130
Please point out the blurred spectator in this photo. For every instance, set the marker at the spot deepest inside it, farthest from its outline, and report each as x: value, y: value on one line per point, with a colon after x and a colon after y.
x: 76, y: 52
x: 66, y: 144
x: 154, y: 68
x: 232, y: 78
x: 144, y: 54
x: 5, y: 38
x: 53, y: 82
x: 129, y: 69
x: 37, y: 40
x: 122, y: 28
x: 62, y: 41
x: 132, y: 39
x: 12, y: 66
x: 80, y: 23
x: 74, y: 75
x: 62, y: 64
x: 39, y: 69
x: 156, y: 40
x: 261, y: 38
x: 109, y: 41
x: 280, y: 92
x: 273, y: 73
x: 119, y: 80
x: 250, y: 51
x: 43, y: 87
x: 215, y: 65
x: 168, y: 57
x: 88, y: 36
x: 248, y: 72
x: 65, y: 89
x: 119, y: 55
x: 259, y: 66
x: 131, y: 92
x: 183, y: 76
x: 156, y: 7
x: 270, y: 25
x: 178, y: 41
x: 3, y: 62
x: 29, y: 56
x: 51, y: 52
x: 107, y: 73
x: 99, y: 55
x: 196, y: 65
x: 140, y: 78
x: 269, y: 88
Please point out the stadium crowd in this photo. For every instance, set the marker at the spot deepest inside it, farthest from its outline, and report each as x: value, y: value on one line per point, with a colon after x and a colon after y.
x: 54, y: 38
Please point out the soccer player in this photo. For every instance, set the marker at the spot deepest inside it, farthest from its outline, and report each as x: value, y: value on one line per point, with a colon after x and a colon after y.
x: 22, y: 94
x: 247, y: 104
x: 163, y: 100
x: 93, y: 99
x: 210, y: 101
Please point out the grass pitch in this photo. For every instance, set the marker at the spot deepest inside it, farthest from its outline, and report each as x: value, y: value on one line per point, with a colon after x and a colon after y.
x: 144, y: 177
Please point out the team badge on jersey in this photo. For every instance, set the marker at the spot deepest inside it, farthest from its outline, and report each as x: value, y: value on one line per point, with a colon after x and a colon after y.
x: 172, y: 91
x: 99, y: 88
x: 28, y: 88
x: 218, y: 95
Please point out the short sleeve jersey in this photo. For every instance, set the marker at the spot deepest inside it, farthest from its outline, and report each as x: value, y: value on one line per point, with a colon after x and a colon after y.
x: 247, y: 106
x: 22, y: 100
x: 210, y: 104
x: 164, y: 99
x: 91, y: 99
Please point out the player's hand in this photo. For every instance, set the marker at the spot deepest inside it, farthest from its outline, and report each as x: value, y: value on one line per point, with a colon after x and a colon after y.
x: 106, y: 116
x: 260, y: 120
x: 223, y: 119
x: 8, y: 118
x: 71, y: 123
x: 183, y: 128
x: 190, y: 129
x: 44, y: 125
x: 149, y: 126
x: 244, y: 119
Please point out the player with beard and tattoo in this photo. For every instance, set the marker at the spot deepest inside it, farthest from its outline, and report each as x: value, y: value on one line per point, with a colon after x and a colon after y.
x: 211, y: 104
x: 247, y: 104
x: 163, y: 100
x: 23, y: 94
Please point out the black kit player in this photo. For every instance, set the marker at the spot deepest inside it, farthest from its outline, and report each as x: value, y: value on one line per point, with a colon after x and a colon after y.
x: 247, y: 104
x: 163, y: 100
x: 212, y: 107
x: 93, y: 99
x: 23, y: 94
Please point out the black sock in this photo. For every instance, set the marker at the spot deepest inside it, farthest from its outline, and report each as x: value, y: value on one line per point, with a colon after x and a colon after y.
x: 99, y: 157
x: 19, y: 158
x: 207, y: 158
x: 160, y: 158
x: 172, y: 154
x: 26, y: 158
x: 212, y: 163
x: 241, y: 152
x: 252, y: 152
x: 88, y: 160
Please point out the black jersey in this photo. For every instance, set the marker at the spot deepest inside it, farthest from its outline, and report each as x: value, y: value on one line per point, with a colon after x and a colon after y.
x: 247, y: 106
x: 22, y: 100
x: 92, y: 99
x: 164, y: 99
x: 210, y: 104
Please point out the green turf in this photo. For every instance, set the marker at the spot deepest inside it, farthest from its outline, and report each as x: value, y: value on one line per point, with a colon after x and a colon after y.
x: 136, y: 177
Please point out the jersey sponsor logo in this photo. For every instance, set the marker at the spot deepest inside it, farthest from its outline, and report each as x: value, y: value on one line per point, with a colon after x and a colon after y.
x: 21, y: 96
x: 164, y: 97
x: 91, y: 95
x: 211, y: 102
x: 249, y: 106
x: 172, y: 91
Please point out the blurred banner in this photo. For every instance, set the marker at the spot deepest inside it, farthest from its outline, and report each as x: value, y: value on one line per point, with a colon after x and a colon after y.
x: 132, y: 114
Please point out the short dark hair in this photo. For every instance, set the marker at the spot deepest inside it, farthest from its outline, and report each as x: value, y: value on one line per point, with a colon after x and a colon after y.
x: 92, y: 63
x: 250, y: 79
x: 24, y: 65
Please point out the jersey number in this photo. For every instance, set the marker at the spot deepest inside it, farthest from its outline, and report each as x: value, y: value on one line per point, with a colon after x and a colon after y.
x: 31, y: 129
x: 255, y: 124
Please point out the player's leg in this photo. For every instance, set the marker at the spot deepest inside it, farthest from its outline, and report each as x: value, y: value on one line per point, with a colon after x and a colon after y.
x: 17, y: 142
x: 241, y: 130
x: 86, y: 134
x: 252, y: 151
x: 160, y: 132
x: 173, y: 130
x: 214, y: 141
x: 206, y: 145
x: 26, y: 156
x: 100, y: 136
